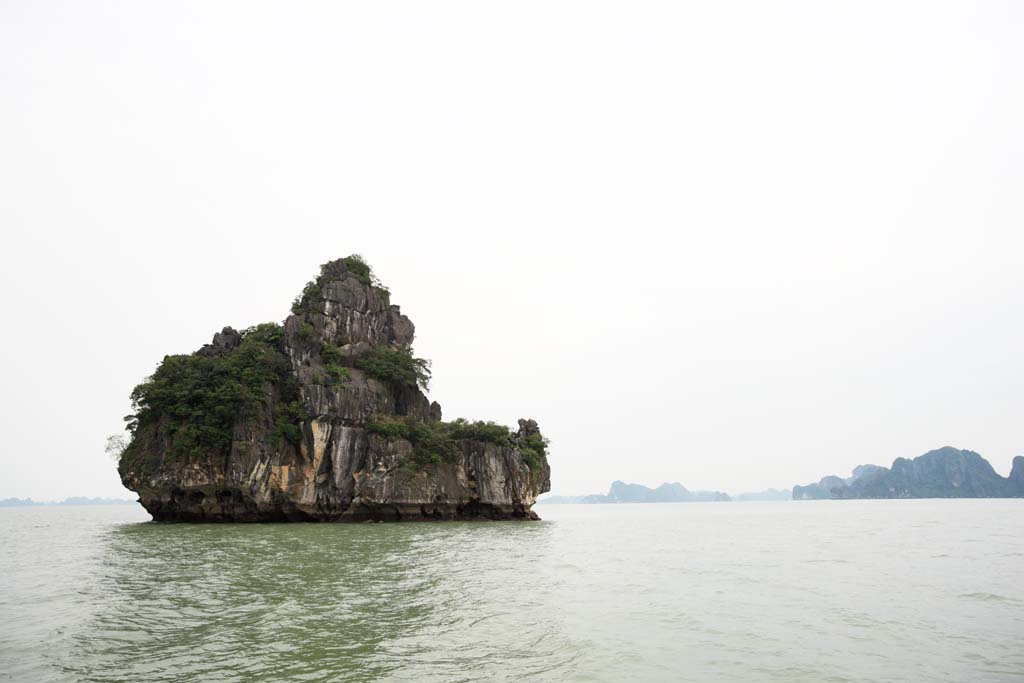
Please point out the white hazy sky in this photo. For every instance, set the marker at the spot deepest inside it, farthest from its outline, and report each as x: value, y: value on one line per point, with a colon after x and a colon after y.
x: 731, y: 244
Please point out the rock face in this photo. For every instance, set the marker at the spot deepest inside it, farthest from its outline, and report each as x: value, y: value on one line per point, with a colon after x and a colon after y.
x: 943, y: 473
x: 322, y: 419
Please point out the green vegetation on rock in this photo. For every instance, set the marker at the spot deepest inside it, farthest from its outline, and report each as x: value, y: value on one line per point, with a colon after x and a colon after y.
x: 438, y: 442
x: 431, y: 441
x: 360, y: 268
x: 200, y: 397
x: 331, y: 354
x: 334, y: 371
x: 533, y: 451
x: 287, y: 420
x: 336, y: 374
x: 396, y: 366
x: 304, y: 301
x: 488, y: 432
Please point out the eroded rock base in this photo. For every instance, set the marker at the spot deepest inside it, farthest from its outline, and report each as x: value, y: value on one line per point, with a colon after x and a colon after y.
x: 232, y: 506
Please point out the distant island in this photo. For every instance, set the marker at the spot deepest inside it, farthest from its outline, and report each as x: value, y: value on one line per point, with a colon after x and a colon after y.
x: 28, y: 502
x: 943, y: 473
x: 767, y: 494
x: 621, y: 492
x: 323, y: 418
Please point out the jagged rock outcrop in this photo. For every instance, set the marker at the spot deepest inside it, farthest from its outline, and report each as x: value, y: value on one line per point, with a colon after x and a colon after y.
x: 943, y: 473
x: 322, y: 418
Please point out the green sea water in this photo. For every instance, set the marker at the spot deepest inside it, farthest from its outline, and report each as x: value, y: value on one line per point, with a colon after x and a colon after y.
x: 924, y: 590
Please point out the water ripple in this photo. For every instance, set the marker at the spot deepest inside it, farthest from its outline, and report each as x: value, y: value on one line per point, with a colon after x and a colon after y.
x: 771, y: 592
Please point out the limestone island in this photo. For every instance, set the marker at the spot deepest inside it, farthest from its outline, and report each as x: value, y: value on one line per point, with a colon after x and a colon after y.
x: 943, y: 473
x: 322, y: 418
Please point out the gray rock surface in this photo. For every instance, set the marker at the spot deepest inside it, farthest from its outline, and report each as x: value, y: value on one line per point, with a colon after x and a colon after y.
x: 339, y: 469
x: 223, y: 342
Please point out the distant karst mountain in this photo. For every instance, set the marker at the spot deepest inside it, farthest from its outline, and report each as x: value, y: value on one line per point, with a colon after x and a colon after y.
x: 943, y: 473
x: 621, y: 492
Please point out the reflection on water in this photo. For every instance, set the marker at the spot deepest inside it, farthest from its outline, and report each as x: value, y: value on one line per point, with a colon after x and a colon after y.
x: 310, y: 602
x: 865, y: 590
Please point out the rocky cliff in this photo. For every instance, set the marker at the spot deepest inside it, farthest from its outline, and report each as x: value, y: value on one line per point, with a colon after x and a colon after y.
x: 323, y: 418
x: 943, y: 473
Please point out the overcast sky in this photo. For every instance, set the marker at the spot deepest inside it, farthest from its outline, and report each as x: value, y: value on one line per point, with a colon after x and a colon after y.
x: 736, y: 245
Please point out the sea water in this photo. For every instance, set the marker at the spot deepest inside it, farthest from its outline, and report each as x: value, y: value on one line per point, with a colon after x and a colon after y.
x: 918, y: 590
